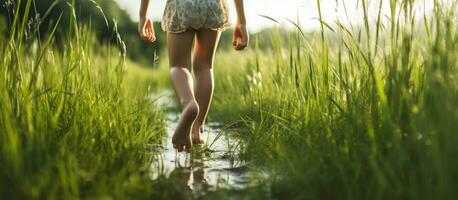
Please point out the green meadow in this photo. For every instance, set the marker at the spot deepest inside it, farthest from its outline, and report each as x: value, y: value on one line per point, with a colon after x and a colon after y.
x: 367, y: 111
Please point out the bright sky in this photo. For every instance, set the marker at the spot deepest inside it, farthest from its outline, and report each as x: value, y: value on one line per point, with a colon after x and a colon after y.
x: 304, y: 10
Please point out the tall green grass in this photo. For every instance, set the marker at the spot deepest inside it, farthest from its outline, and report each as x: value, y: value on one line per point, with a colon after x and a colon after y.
x: 351, y: 112
x: 74, y: 122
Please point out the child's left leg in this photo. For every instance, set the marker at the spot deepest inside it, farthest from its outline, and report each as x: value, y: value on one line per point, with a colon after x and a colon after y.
x: 206, y: 42
x: 179, y: 48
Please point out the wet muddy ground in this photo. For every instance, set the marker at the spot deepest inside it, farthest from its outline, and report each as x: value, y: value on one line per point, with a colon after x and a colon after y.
x: 210, y: 167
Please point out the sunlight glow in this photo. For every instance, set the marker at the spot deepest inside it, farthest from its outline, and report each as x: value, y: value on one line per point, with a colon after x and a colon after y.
x: 306, y: 11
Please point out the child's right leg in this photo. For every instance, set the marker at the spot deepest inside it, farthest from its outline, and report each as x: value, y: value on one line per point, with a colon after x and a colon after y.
x: 179, y: 47
x: 204, y: 50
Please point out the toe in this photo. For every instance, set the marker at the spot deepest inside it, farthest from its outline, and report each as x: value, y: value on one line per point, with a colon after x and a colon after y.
x: 180, y: 148
x: 188, y: 147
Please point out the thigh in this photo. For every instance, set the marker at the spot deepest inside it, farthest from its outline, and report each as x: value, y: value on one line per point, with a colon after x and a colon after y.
x: 205, y: 47
x: 179, y: 48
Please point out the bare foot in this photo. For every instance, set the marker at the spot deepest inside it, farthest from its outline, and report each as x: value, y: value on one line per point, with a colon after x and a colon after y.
x: 198, y: 135
x: 182, y: 137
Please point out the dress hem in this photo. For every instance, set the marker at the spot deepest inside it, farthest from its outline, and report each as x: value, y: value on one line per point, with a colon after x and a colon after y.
x: 219, y: 28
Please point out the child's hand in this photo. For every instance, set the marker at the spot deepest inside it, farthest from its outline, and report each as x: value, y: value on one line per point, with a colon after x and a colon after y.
x: 146, y: 30
x: 240, y: 37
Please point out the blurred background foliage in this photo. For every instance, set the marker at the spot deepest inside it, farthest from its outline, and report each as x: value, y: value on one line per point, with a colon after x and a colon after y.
x: 103, y: 15
x: 3, y: 28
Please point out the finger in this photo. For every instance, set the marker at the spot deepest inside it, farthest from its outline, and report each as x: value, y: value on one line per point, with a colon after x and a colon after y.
x: 242, y: 46
x: 244, y: 42
x: 149, y: 29
x: 238, y: 42
x: 144, y: 37
x: 151, y: 36
x: 237, y: 45
x: 146, y: 32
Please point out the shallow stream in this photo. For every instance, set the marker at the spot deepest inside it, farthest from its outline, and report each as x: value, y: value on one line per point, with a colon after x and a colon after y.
x: 213, y: 166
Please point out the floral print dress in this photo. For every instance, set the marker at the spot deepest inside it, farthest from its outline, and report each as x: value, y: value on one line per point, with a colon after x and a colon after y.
x: 181, y: 15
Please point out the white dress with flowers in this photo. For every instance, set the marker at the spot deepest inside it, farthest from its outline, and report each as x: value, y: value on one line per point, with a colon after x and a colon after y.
x: 182, y: 15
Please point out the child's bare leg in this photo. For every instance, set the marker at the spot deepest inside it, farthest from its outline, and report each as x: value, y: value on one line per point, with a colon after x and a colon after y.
x: 179, y: 46
x: 204, y: 50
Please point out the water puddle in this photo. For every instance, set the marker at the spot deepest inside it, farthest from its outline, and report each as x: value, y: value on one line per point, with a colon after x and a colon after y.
x: 213, y: 166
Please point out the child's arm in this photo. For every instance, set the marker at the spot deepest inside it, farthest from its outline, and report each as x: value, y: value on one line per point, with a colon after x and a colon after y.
x: 240, y: 12
x: 145, y: 24
x: 240, y: 36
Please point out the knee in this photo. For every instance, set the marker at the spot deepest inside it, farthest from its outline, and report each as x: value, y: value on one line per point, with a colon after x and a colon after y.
x: 199, y: 65
x: 179, y: 71
x: 176, y: 68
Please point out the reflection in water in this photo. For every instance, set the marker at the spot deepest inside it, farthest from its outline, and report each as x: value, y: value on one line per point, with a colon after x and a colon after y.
x: 193, y: 176
x: 207, y: 168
